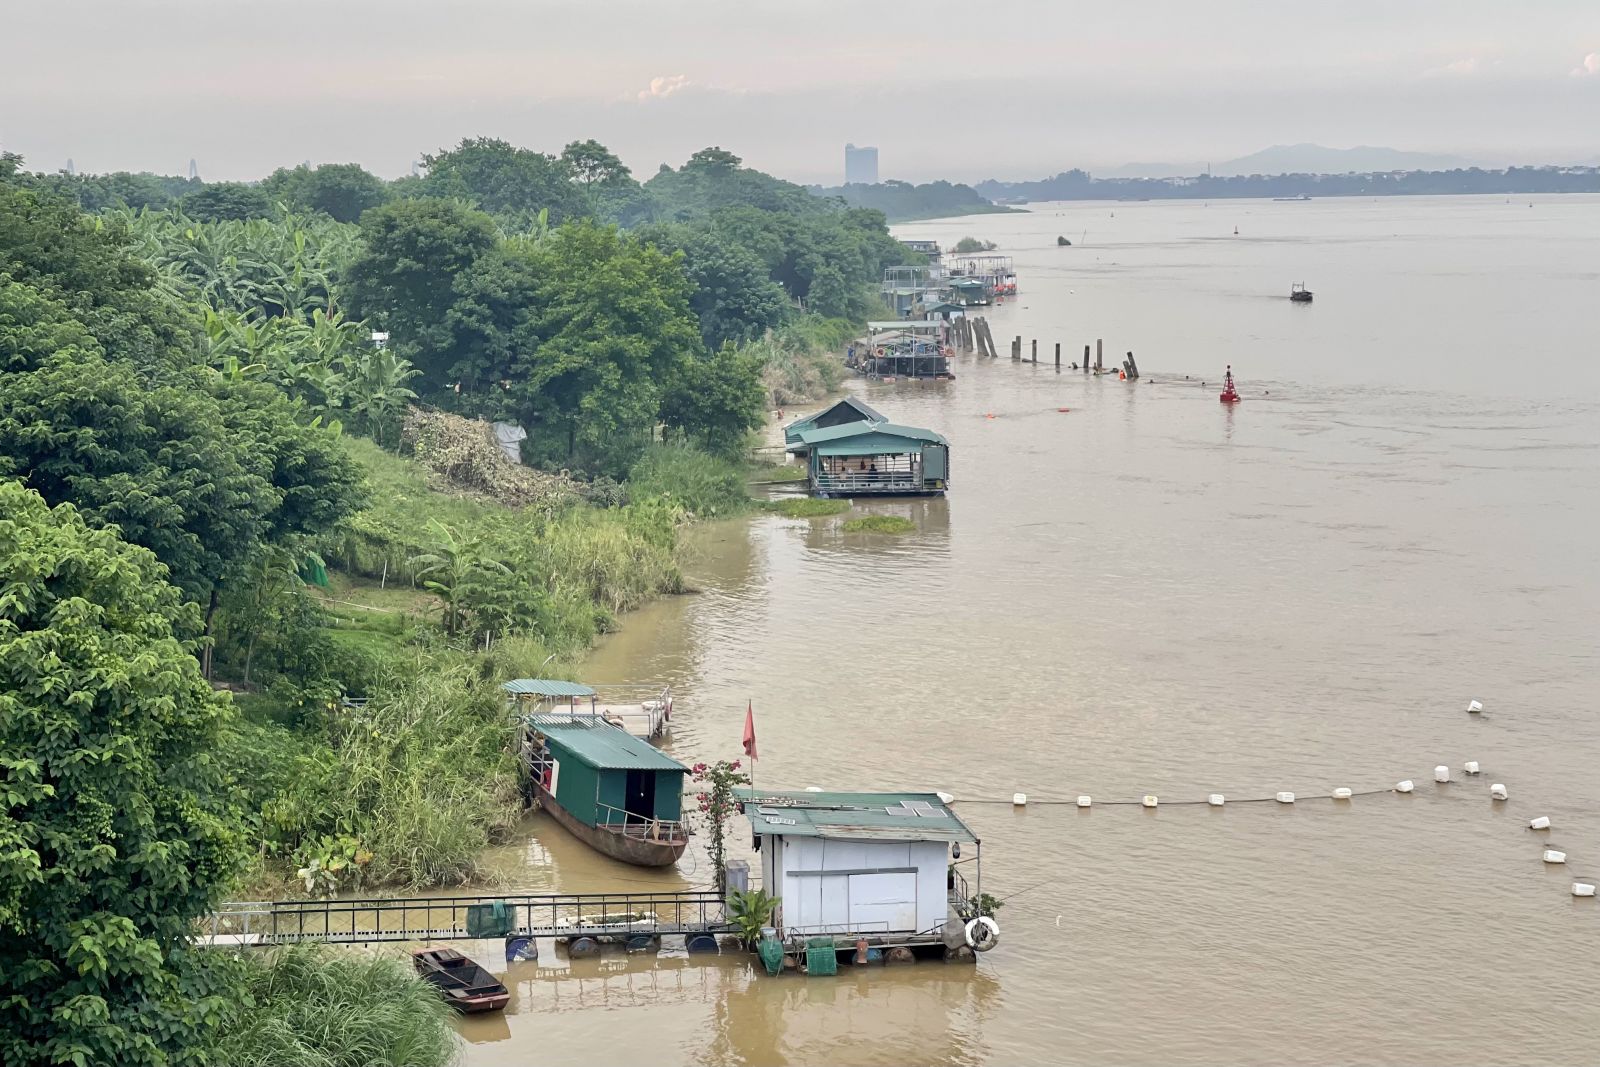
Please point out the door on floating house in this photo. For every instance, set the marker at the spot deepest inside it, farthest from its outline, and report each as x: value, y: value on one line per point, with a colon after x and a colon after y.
x: 935, y: 465
x: 641, y: 796
x: 883, y: 901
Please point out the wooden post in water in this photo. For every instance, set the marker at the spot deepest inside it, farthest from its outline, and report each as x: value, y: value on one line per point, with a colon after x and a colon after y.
x: 1098, y: 364
x: 1016, y: 347
x: 1086, y: 359
x: 1133, y: 368
x: 1036, y: 350
x: 1058, y: 357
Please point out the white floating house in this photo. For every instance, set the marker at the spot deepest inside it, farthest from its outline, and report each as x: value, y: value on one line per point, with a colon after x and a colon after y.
x: 863, y: 864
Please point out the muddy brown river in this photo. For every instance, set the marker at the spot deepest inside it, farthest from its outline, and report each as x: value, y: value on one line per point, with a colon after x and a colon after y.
x: 1151, y: 593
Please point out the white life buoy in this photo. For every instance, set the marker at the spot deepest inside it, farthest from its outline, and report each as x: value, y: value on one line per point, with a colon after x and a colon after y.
x: 983, y: 934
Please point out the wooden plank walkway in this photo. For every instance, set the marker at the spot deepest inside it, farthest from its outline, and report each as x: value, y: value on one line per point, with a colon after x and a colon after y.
x: 560, y: 915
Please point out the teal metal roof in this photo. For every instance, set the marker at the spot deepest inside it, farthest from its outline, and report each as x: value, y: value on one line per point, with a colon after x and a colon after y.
x: 546, y: 687
x: 860, y: 407
x: 832, y: 434
x: 876, y: 816
x: 601, y: 745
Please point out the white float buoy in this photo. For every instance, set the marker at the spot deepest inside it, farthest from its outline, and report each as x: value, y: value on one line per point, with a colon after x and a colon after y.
x: 1541, y: 823
x: 1471, y: 766
x: 1497, y: 791
x: 1441, y: 773
x: 1474, y: 707
x: 818, y: 789
x: 1084, y: 801
x: 945, y: 798
x: 1554, y: 856
x: 1216, y: 800
x: 1341, y: 793
x: 1404, y: 787
x: 1285, y: 798
x: 1150, y: 800
x: 1019, y: 799
x: 1582, y: 889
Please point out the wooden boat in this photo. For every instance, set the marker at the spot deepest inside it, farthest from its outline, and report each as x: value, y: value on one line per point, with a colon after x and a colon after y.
x: 615, y: 792
x: 1299, y: 293
x: 463, y: 984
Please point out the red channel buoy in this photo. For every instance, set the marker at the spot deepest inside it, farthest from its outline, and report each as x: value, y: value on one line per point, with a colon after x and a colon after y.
x: 1229, y: 394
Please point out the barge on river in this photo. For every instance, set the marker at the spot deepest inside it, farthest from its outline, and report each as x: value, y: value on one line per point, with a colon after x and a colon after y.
x: 896, y: 349
x: 613, y: 791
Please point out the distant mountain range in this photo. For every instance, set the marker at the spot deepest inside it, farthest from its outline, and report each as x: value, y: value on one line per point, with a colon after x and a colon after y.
x: 1296, y: 159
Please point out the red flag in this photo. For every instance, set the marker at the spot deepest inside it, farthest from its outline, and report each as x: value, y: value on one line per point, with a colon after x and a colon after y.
x: 750, y: 731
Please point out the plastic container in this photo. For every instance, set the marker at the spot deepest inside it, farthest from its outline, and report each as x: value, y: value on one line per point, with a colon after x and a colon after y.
x: 1441, y: 774
x: 1150, y: 800
x: 1216, y: 800
x: 1084, y: 801
x: 1285, y: 798
x: 1404, y: 787
x: 1341, y: 793
x: 1497, y: 791
x: 1541, y: 823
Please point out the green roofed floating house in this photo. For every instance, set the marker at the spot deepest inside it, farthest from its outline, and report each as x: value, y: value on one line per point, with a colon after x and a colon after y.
x: 875, y: 866
x: 615, y: 792
x: 648, y: 716
x: 870, y: 457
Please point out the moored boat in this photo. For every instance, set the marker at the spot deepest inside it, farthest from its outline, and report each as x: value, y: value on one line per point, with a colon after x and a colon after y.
x: 1299, y: 293
x: 464, y: 985
x: 613, y: 791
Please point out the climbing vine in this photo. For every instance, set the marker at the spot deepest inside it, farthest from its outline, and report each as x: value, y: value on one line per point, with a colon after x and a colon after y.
x: 717, y: 805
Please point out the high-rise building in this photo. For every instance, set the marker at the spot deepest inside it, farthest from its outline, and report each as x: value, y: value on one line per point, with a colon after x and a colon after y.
x: 860, y: 165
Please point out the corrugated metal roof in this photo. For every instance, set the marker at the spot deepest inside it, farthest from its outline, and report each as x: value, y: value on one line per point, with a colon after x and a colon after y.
x: 860, y: 816
x: 546, y: 687
x: 921, y: 325
x: 861, y: 407
x: 601, y: 745
x: 828, y: 434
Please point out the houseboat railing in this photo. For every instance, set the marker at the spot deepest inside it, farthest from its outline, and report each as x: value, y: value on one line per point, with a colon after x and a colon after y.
x: 631, y: 824
x: 419, y: 918
x: 879, y: 480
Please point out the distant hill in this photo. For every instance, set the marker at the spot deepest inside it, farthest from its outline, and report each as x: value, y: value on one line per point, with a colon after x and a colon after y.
x: 1319, y: 159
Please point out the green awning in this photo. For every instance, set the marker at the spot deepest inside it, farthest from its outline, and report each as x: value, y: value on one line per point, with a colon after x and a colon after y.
x: 546, y: 687
x: 601, y: 745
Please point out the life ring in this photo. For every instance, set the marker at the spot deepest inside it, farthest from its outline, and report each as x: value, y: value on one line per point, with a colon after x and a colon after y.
x: 983, y: 934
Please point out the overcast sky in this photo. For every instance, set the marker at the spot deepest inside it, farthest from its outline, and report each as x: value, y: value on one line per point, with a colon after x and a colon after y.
x: 944, y: 88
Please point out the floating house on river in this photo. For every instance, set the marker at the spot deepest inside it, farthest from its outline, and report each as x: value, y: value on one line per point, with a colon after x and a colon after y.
x: 878, y: 866
x: 613, y: 791
x: 896, y: 349
x: 852, y: 450
x: 847, y: 410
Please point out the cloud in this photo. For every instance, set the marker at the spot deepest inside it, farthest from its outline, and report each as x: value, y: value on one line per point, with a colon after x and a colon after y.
x: 1465, y: 67
x: 1590, y: 66
x: 660, y: 88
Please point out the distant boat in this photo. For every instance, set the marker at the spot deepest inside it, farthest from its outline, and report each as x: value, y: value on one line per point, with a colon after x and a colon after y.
x: 1289, y: 199
x: 1299, y: 293
x: 464, y: 985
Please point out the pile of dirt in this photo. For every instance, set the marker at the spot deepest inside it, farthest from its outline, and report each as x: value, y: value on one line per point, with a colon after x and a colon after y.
x: 466, y: 455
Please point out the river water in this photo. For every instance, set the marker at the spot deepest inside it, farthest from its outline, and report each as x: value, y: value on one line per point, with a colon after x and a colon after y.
x: 1154, y: 593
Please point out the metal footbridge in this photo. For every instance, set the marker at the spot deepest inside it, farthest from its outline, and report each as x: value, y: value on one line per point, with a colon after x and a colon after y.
x: 533, y: 915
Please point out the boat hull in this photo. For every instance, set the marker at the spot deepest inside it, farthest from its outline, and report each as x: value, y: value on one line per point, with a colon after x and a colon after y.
x: 463, y: 984
x: 640, y: 852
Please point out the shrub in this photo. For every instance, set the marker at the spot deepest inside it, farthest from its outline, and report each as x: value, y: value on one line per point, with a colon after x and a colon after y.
x: 805, y: 507
x: 702, y: 484
x: 317, y: 1006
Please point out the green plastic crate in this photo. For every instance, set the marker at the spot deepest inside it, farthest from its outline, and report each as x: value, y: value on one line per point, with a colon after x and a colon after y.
x: 489, y: 920
x: 821, y: 956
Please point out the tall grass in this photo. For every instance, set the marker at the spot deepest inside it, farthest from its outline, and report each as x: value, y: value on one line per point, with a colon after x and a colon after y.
x: 704, y: 484
x: 407, y: 790
x: 316, y: 1006
x: 803, y: 360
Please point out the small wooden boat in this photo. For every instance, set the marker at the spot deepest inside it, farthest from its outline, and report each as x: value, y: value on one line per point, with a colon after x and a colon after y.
x: 465, y: 986
x: 1299, y: 293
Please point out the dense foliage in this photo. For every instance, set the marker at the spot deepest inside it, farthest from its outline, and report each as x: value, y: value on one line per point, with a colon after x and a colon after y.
x: 118, y: 831
x: 309, y: 1006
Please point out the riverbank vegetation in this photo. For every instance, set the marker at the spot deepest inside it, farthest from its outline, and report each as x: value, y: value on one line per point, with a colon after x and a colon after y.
x: 905, y: 202
x: 295, y: 473
x: 805, y: 507
x: 879, y: 524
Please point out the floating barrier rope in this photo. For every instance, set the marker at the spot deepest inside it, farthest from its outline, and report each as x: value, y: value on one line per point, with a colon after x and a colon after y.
x: 1582, y: 886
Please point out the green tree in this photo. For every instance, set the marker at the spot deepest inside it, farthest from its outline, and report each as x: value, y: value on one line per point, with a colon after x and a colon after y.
x: 608, y: 328
x: 716, y: 400
x: 734, y: 296
x: 512, y: 184
x: 218, y: 201
x: 342, y: 191
x: 404, y: 280
x: 119, y: 831
x: 48, y: 244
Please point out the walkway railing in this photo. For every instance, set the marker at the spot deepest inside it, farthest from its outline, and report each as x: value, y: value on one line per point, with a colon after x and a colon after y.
x: 870, y: 482
x: 442, y: 918
x: 629, y: 824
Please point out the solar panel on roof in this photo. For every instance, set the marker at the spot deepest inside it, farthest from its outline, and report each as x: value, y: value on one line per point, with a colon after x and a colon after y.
x: 901, y: 811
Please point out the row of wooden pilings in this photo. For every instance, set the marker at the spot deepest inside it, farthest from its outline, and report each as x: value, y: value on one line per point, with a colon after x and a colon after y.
x: 1129, y: 367
x: 973, y: 335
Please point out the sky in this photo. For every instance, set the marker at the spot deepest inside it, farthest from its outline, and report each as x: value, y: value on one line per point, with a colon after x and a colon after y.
x: 959, y: 90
